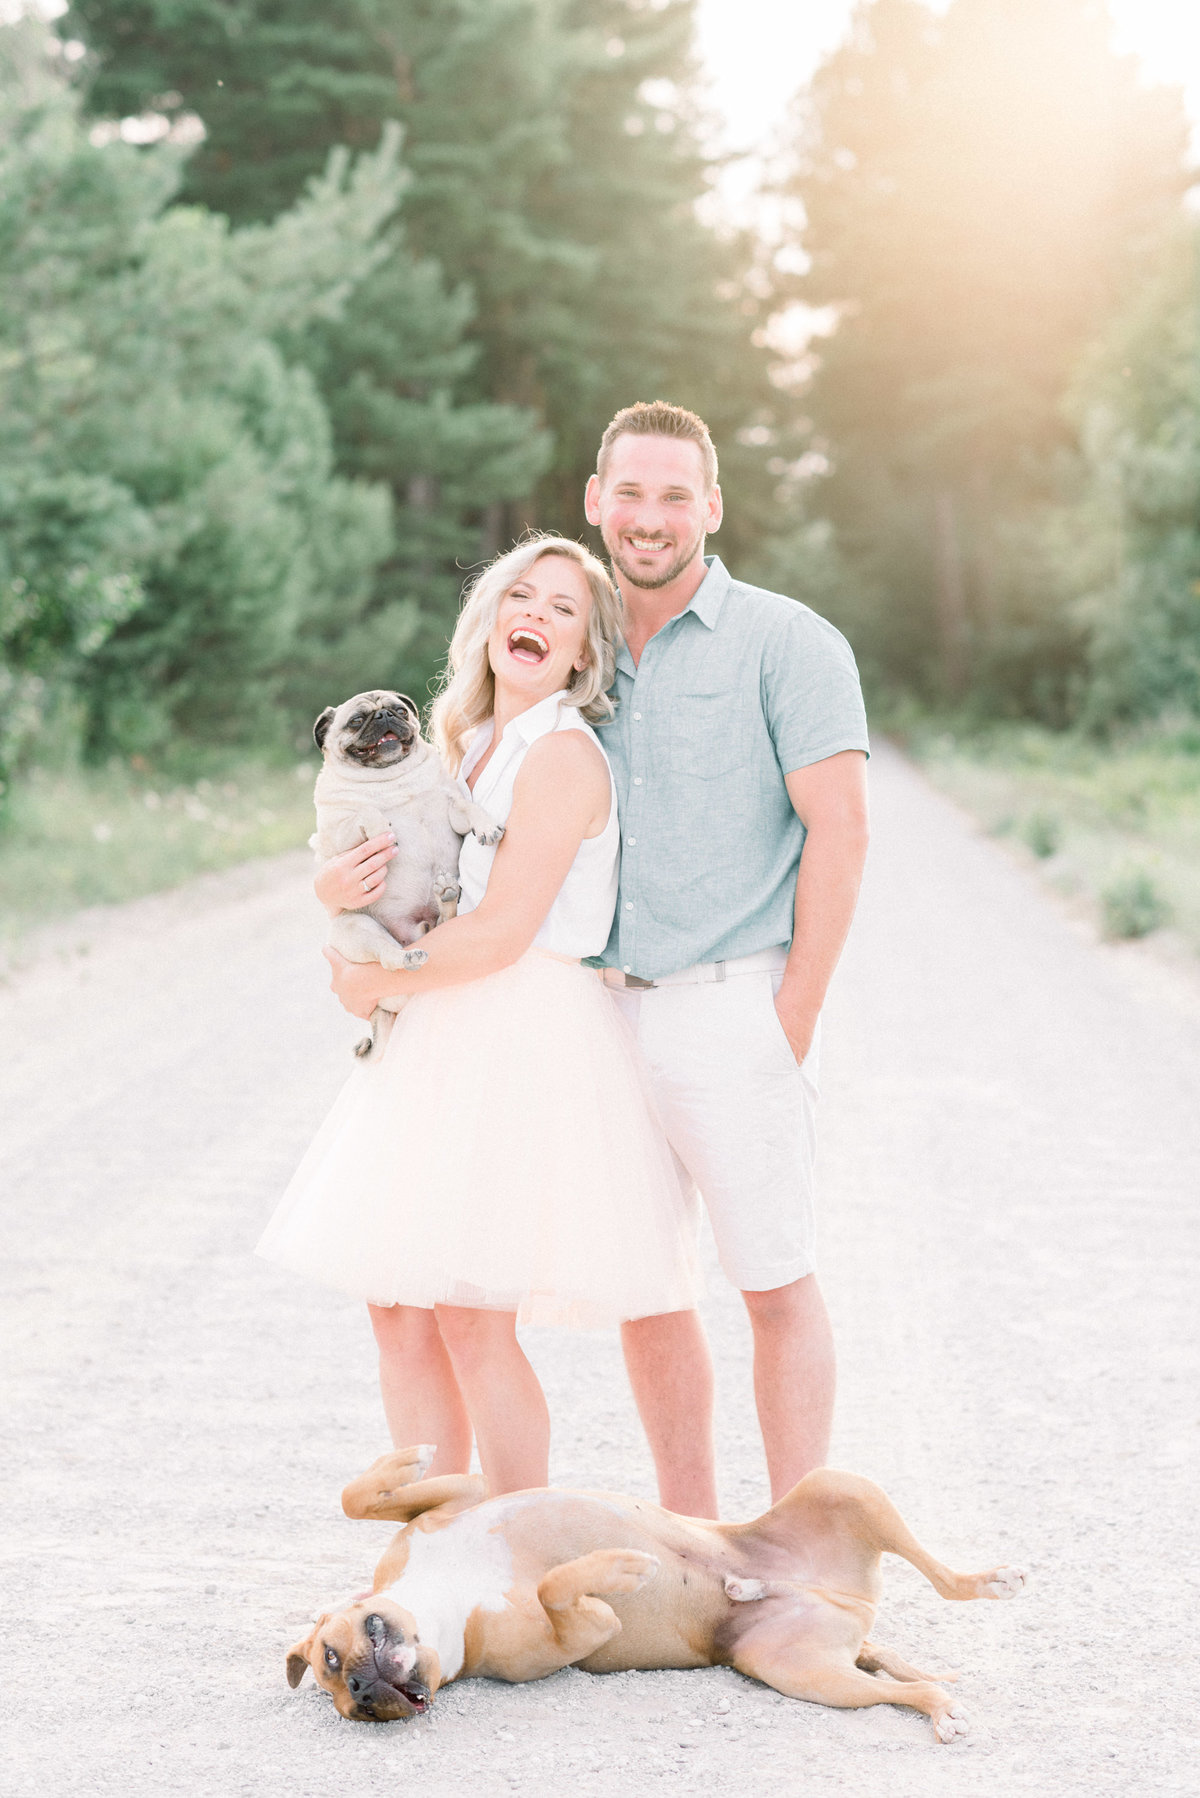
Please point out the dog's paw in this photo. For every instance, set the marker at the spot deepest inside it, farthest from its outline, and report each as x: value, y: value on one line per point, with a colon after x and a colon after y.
x: 952, y: 1725
x: 447, y: 892
x: 745, y: 1591
x: 363, y: 1048
x: 488, y: 834
x: 628, y: 1570
x: 1005, y: 1582
x: 414, y: 958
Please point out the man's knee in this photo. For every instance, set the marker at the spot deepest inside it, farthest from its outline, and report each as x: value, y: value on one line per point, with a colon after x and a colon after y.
x: 785, y: 1307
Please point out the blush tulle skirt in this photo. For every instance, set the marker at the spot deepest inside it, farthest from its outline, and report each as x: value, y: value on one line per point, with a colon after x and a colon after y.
x: 502, y: 1152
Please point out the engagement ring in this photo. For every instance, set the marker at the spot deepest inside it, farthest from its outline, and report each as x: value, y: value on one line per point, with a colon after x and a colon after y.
x: 366, y: 886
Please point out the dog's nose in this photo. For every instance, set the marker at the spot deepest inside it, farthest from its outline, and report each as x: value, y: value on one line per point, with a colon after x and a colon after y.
x: 356, y: 1683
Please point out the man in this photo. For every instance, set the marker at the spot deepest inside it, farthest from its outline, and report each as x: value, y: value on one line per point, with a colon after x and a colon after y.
x: 739, y: 749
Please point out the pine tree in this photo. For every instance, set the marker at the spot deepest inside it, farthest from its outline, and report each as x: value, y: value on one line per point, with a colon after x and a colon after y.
x: 173, y: 538
x: 1124, y: 552
x: 554, y: 146
x: 975, y: 189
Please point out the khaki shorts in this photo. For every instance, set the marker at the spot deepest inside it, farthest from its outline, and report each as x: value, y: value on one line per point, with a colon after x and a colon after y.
x: 740, y: 1115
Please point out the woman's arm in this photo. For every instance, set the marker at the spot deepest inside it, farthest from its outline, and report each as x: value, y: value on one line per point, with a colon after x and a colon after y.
x: 561, y: 795
x: 355, y: 878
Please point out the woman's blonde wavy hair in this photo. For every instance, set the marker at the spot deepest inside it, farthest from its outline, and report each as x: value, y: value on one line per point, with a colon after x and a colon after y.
x: 468, y: 694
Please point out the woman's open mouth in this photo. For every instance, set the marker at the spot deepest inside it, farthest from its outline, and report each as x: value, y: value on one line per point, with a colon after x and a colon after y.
x: 528, y: 646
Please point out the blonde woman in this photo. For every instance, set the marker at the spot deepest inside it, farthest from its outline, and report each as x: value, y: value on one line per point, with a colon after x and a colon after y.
x: 499, y: 1163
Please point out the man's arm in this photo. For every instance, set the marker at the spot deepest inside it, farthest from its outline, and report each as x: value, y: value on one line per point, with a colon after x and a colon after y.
x: 830, y: 799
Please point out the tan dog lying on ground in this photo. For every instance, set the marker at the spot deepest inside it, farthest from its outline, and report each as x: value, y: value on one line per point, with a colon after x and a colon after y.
x: 516, y: 1587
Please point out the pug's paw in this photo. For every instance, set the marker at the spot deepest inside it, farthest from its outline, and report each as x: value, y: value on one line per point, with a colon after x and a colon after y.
x: 400, y: 956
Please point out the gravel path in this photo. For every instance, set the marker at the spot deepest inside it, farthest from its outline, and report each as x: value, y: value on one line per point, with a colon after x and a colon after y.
x: 1010, y: 1137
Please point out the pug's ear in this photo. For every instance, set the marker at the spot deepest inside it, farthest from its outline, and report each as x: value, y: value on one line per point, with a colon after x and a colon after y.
x: 321, y: 727
x: 298, y: 1661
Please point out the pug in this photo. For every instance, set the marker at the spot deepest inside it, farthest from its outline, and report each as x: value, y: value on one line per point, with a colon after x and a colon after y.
x: 380, y: 774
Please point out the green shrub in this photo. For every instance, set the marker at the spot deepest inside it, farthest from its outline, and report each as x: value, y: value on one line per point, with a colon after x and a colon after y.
x: 1131, y: 904
x: 1042, y: 832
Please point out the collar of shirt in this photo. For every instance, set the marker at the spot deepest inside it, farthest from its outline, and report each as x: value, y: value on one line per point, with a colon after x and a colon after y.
x: 527, y: 726
x: 706, y: 603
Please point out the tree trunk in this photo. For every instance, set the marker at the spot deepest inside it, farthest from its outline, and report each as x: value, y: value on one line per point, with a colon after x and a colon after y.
x: 951, y: 596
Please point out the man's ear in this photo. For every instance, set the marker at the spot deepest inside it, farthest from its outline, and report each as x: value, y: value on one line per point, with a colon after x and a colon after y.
x: 591, y: 499
x: 321, y: 727
x: 298, y: 1661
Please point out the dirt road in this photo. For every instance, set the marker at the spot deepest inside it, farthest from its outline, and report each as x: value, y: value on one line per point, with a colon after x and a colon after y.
x: 1011, y: 1136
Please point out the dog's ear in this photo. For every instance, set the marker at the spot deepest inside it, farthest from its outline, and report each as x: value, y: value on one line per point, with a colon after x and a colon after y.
x: 321, y: 727
x: 298, y: 1661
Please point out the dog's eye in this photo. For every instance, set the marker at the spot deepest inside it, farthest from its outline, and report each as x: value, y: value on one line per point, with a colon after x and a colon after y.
x: 355, y: 722
x: 333, y: 1660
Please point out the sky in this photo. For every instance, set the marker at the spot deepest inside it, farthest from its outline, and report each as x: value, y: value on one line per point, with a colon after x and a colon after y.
x: 758, y: 52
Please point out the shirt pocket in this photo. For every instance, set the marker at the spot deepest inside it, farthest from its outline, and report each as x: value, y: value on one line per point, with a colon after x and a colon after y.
x: 708, y: 735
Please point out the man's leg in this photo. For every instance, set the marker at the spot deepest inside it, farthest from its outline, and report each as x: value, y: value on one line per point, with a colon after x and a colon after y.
x: 794, y: 1377
x: 670, y: 1371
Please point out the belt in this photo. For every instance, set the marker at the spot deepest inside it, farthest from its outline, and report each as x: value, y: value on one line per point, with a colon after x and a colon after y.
x: 766, y: 961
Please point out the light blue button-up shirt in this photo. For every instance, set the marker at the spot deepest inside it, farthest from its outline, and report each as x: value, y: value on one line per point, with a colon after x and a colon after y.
x: 741, y: 688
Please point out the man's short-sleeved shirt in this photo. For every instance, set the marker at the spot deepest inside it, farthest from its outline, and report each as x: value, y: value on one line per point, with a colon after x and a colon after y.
x: 739, y: 689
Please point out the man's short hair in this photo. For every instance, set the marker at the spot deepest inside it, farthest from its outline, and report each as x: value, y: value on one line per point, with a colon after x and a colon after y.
x: 658, y: 418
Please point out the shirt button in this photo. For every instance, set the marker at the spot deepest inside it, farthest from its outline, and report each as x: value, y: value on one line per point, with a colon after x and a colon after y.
x: 637, y: 717
x: 637, y: 780
x: 627, y: 970
x: 632, y: 842
x: 629, y: 905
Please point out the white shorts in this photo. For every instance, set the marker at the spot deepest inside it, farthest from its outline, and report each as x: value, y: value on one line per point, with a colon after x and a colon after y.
x: 740, y: 1115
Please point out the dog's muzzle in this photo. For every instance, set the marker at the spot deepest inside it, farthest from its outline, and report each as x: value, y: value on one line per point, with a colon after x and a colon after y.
x: 375, y: 1697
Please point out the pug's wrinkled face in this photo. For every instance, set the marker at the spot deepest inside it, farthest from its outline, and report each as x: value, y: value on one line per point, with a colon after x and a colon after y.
x: 372, y: 730
x: 368, y: 1658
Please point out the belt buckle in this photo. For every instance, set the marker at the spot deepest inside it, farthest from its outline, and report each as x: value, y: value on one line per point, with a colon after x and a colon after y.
x: 635, y: 983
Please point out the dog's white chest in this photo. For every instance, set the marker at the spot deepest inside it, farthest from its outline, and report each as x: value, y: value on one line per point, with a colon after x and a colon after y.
x: 451, y: 1572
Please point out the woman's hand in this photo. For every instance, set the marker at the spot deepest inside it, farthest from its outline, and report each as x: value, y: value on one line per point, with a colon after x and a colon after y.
x: 358, y: 984
x: 355, y: 878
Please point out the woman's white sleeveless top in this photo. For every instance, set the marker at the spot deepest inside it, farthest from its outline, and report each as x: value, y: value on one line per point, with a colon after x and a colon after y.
x: 580, y: 919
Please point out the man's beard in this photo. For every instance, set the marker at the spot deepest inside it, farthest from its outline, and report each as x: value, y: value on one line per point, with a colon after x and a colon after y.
x: 660, y: 580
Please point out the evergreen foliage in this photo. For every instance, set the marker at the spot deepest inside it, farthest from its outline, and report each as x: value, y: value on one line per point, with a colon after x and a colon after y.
x: 1125, y: 553
x: 172, y: 533
x: 976, y: 188
x: 554, y: 149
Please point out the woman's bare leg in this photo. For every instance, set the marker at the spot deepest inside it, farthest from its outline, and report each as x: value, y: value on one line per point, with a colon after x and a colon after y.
x: 421, y: 1399
x: 506, y: 1403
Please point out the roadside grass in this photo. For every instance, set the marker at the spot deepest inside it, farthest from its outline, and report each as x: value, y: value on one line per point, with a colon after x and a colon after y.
x: 78, y: 837
x: 1115, y: 823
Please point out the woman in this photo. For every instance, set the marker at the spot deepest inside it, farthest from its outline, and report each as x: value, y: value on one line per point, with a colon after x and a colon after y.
x: 499, y: 1161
